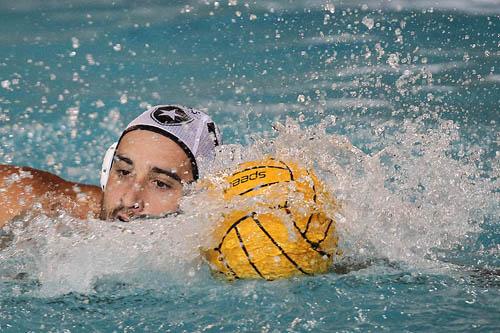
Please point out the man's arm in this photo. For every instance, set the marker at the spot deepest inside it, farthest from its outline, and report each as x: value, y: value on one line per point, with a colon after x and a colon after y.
x: 23, y: 189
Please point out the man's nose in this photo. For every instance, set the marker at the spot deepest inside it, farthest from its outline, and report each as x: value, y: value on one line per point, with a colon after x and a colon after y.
x: 134, y: 198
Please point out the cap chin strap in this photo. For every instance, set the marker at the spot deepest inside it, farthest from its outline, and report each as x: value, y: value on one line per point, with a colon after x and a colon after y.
x: 106, y: 164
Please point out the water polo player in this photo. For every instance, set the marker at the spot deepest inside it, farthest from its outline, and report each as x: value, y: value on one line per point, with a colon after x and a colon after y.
x: 142, y: 174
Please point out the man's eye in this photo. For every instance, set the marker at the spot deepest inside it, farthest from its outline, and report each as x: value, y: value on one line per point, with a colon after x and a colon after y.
x: 161, y: 184
x: 122, y: 172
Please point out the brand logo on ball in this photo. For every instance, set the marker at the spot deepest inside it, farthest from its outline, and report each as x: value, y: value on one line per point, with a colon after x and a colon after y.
x: 254, y: 176
x: 170, y: 115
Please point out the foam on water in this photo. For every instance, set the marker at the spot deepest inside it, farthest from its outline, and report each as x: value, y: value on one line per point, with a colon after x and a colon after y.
x: 67, y: 255
x: 407, y: 203
x: 403, y: 202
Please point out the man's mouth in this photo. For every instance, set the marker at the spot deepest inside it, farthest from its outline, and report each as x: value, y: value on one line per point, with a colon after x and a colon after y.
x: 123, y: 216
x: 127, y: 216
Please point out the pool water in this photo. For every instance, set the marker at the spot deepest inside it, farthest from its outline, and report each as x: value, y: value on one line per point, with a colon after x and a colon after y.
x: 396, y: 104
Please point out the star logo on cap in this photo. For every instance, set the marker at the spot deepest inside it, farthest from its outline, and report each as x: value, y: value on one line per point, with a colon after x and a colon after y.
x: 170, y: 115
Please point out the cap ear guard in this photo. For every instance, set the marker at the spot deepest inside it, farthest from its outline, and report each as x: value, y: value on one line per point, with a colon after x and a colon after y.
x: 106, y: 164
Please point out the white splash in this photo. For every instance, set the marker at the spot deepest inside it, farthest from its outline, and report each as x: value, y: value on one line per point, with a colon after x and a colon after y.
x: 401, y: 203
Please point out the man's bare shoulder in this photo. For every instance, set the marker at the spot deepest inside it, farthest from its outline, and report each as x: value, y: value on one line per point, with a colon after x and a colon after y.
x: 11, y: 175
x: 25, y: 188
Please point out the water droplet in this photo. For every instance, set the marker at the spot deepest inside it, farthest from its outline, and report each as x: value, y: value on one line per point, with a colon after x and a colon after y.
x: 75, y: 43
x: 123, y: 99
x: 330, y: 7
x: 6, y: 84
x: 368, y: 22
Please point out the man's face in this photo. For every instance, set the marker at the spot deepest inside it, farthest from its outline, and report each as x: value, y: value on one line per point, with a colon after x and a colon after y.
x: 146, y: 178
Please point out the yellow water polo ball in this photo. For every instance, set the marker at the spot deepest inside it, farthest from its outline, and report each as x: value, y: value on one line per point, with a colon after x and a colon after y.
x: 275, y: 225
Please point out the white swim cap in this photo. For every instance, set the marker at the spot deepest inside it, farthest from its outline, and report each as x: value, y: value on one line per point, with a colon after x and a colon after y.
x: 193, y: 130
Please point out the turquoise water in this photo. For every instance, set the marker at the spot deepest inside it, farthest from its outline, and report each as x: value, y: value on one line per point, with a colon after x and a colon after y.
x: 396, y: 103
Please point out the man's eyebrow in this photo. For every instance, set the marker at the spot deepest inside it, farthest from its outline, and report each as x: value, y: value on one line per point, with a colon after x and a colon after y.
x: 171, y: 174
x: 124, y: 159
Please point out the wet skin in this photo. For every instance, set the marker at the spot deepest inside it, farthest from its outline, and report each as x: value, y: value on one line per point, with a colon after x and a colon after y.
x: 146, y: 180
x: 26, y: 190
x: 147, y: 177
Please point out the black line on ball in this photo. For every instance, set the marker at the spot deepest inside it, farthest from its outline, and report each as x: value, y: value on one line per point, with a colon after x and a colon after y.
x: 243, y: 247
x: 285, y: 206
x: 308, y: 222
x: 261, y: 186
x: 326, y: 231
x: 227, y: 265
x: 314, y: 245
x: 231, y: 228
x: 259, y: 167
x: 289, y: 170
x: 279, y: 247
